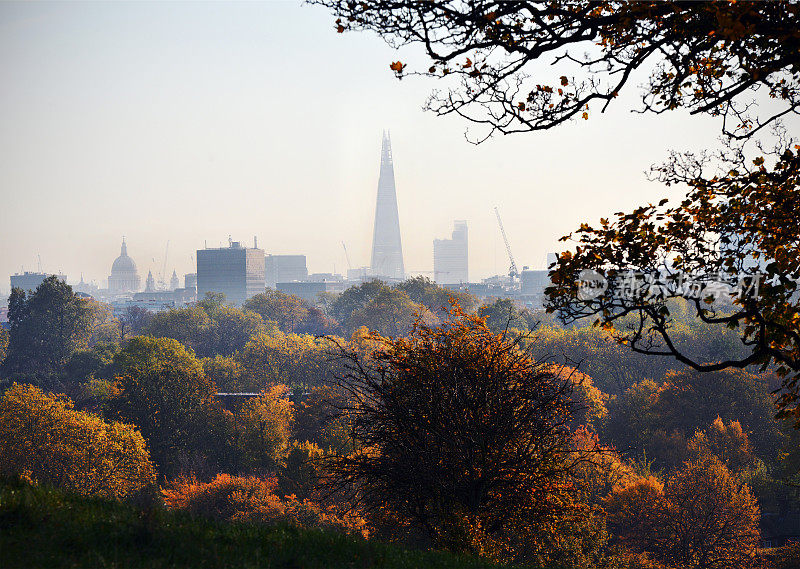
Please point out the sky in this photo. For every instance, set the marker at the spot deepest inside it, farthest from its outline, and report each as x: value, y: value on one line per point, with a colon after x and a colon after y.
x: 189, y: 122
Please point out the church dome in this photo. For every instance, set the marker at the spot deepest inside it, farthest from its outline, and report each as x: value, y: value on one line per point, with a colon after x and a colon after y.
x: 123, y: 263
x: 124, y: 276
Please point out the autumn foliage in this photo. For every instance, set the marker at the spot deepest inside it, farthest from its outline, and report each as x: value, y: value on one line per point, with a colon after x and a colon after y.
x: 702, y: 518
x: 44, y: 438
x: 253, y: 499
x: 465, y: 438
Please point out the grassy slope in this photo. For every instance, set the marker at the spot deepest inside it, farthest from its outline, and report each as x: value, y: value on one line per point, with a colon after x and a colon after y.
x: 42, y: 528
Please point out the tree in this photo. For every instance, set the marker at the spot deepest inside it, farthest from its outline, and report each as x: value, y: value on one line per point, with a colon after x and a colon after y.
x: 189, y: 326
x: 264, y: 424
x: 210, y: 328
x: 133, y: 320
x: 45, y: 328
x: 702, y: 518
x: 354, y: 298
x: 434, y: 297
x: 44, y: 438
x: 227, y: 373
x: 708, y: 58
x: 390, y: 312
x: 231, y: 329
x: 503, y: 314
x: 732, y: 238
x: 287, y: 310
x: 463, y: 436
x: 3, y: 345
x: 658, y: 419
x: 165, y: 393
x: 296, y: 360
x: 727, y: 441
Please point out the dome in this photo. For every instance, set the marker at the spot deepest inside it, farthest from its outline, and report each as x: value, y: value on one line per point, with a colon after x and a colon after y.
x: 124, y: 277
x: 123, y: 263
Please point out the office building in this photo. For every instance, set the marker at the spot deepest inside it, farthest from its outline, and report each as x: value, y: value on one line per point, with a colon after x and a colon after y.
x: 30, y: 281
x: 235, y: 271
x: 190, y: 281
x: 451, y: 256
x: 285, y: 269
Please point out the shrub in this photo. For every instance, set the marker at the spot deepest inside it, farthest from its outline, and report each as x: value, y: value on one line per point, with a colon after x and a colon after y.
x: 44, y: 438
x: 253, y: 499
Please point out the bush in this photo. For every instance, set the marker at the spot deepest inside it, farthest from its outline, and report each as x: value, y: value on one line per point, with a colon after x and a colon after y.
x: 42, y: 437
x: 253, y: 499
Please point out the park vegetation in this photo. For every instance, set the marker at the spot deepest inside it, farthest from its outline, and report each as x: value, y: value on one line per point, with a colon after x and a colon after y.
x: 657, y: 430
x: 485, y: 430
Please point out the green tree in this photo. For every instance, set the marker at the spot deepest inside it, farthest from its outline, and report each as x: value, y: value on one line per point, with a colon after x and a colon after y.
x: 3, y: 345
x: 503, y: 314
x: 296, y: 360
x: 45, y: 328
x: 287, y: 310
x: 391, y: 312
x: 190, y: 326
x: 165, y: 392
x: 353, y: 299
x: 434, y: 297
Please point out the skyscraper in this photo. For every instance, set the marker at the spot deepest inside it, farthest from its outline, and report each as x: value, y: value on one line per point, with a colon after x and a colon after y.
x: 387, y: 250
x: 451, y: 257
x: 235, y: 271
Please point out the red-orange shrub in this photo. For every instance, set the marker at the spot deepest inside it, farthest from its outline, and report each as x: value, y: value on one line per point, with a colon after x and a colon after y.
x: 253, y: 499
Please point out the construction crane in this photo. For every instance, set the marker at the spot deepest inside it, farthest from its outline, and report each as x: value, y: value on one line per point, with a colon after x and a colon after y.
x: 162, y: 281
x: 513, y: 272
x: 347, y: 256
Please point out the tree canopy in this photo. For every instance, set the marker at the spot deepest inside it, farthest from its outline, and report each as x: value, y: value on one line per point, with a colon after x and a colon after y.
x: 706, y: 57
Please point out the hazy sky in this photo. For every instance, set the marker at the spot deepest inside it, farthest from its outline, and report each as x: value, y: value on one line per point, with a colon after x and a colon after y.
x: 190, y: 122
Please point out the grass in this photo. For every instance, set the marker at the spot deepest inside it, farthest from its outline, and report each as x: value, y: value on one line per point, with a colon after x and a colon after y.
x: 49, y: 529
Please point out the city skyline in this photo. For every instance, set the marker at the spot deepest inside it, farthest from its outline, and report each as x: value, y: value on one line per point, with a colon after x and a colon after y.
x: 186, y: 138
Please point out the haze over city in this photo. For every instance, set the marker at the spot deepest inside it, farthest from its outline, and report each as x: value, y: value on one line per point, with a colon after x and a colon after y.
x: 188, y: 123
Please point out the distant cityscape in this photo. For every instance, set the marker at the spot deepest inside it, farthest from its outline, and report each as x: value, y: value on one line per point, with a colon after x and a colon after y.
x: 240, y: 272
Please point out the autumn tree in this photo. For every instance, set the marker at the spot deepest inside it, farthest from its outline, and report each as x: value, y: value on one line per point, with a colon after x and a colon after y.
x: 296, y: 360
x: 264, y: 424
x: 704, y: 518
x: 165, y: 392
x: 45, y: 328
x: 44, y: 438
x: 463, y: 436
x: 658, y: 419
x: 707, y: 58
x: 727, y: 441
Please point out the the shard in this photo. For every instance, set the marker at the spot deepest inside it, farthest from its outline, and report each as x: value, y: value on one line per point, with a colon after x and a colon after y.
x: 387, y: 250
